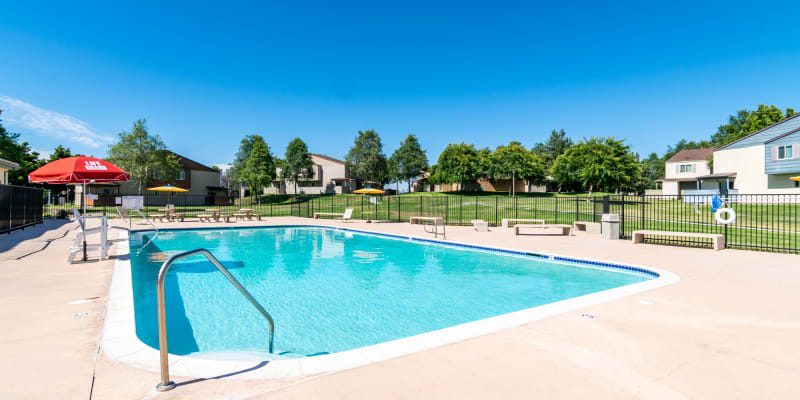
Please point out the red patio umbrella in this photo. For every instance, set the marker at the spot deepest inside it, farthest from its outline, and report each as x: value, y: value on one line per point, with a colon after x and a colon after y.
x: 79, y: 170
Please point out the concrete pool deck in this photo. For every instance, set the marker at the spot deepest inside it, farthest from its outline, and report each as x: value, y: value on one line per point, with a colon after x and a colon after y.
x: 727, y: 330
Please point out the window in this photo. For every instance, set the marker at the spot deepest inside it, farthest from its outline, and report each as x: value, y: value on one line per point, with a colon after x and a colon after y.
x: 687, y: 168
x: 784, y: 152
x: 180, y: 176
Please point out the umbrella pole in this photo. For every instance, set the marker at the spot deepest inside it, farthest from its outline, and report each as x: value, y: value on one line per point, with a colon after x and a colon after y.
x: 84, y: 221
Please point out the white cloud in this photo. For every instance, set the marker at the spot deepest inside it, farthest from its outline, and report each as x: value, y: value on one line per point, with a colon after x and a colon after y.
x: 43, y: 154
x: 25, y: 115
x: 223, y: 167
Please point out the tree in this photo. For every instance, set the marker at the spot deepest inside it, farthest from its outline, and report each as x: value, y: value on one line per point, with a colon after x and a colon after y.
x: 408, y: 161
x: 61, y: 152
x: 298, y: 163
x: 605, y: 163
x: 237, y: 168
x: 556, y: 145
x: 746, y: 122
x: 683, y: 144
x: 142, y: 155
x: 458, y: 163
x: 652, y: 170
x: 259, y: 168
x: 366, y: 159
x: 515, y: 160
x: 21, y: 153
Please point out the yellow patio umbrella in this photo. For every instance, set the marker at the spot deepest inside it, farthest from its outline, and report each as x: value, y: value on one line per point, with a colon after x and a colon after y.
x: 169, y: 189
x: 795, y: 178
x: 369, y: 191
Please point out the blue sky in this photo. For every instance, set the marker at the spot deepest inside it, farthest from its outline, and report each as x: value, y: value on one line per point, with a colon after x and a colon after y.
x: 206, y: 74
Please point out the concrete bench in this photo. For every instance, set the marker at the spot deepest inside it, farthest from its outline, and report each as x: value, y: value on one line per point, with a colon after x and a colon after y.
x: 505, y: 222
x: 565, y: 229
x: 205, y: 217
x: 585, y: 226
x: 719, y: 240
x: 480, y: 225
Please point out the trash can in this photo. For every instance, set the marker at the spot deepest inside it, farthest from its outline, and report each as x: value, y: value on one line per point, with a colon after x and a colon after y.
x: 610, y: 226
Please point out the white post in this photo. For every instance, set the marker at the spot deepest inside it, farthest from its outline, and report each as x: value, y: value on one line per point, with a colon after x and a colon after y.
x: 104, y: 238
x: 83, y: 226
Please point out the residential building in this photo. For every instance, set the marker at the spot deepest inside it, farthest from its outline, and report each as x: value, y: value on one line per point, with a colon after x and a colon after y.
x: 6, y: 166
x: 330, y: 176
x: 682, y: 170
x: 200, y: 181
x: 762, y: 162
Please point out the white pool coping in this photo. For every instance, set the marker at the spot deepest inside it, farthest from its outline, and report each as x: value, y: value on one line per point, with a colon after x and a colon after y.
x: 120, y: 343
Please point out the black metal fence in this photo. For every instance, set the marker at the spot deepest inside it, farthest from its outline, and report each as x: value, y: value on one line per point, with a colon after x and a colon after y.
x: 20, y: 207
x: 763, y: 222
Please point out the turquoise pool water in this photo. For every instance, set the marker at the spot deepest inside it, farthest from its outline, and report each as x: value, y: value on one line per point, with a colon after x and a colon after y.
x: 331, y: 290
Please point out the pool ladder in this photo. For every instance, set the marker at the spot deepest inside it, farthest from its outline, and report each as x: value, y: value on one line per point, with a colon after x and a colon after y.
x: 165, y: 383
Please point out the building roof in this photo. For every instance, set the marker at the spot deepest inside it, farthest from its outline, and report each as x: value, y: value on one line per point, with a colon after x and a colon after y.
x: 692, y: 155
x: 8, y: 164
x: 676, y: 179
x: 191, y: 164
x: 783, y: 135
x: 717, y: 176
x: 758, y: 131
x: 327, y: 158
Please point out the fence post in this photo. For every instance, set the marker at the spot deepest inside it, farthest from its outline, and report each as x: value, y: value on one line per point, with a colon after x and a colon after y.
x: 495, y: 210
x: 461, y: 209
x: 642, y: 214
x: 577, y: 205
x: 622, y: 218
x: 556, y: 220
x: 514, y: 204
x: 446, y: 209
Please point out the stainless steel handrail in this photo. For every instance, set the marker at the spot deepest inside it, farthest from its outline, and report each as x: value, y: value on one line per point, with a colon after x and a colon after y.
x: 148, y: 221
x: 166, y: 384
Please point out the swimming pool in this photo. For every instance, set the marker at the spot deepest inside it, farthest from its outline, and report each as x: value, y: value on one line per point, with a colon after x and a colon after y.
x: 331, y: 290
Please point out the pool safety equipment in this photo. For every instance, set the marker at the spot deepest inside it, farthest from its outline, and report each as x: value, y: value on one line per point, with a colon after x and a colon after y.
x: 717, y: 208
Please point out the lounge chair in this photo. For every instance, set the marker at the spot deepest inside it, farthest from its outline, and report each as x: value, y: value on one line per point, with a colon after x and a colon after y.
x: 347, y: 215
x: 125, y: 214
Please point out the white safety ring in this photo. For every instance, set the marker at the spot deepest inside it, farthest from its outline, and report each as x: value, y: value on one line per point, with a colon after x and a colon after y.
x: 725, y: 221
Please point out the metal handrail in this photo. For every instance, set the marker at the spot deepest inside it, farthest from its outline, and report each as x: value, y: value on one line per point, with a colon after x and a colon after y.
x: 166, y: 384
